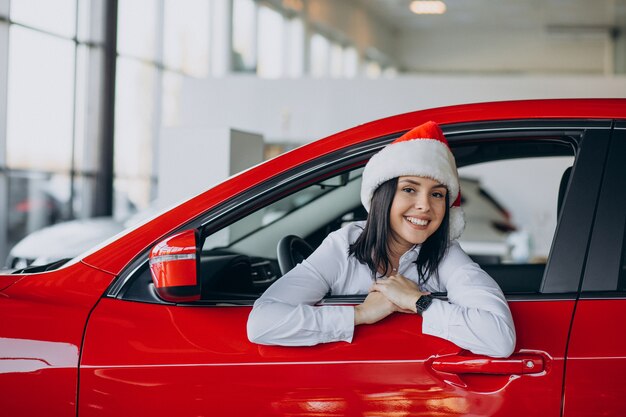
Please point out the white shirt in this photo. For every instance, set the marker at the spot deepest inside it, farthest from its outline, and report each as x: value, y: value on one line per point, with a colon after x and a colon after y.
x: 475, y: 317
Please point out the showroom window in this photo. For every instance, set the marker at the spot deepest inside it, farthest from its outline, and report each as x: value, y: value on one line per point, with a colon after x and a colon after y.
x: 51, y: 84
x: 159, y: 42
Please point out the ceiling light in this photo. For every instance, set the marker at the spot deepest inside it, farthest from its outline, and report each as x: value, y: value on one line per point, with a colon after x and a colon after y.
x: 428, y: 7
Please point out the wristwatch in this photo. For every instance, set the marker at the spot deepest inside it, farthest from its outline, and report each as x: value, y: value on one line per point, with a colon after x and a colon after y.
x: 423, y: 303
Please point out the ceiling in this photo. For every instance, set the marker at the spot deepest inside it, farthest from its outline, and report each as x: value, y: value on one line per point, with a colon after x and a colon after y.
x: 551, y: 15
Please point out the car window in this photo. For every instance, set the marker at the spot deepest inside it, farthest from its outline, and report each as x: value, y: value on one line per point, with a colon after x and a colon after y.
x: 511, y: 207
x: 509, y: 193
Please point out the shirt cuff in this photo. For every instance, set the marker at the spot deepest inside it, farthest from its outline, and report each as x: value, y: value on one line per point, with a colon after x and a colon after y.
x: 435, y: 320
x: 344, y: 330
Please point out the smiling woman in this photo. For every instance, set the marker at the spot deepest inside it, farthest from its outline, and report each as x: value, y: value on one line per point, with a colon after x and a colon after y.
x: 405, y: 250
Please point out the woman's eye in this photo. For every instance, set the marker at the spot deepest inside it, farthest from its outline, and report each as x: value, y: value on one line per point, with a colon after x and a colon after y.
x: 407, y: 190
x: 437, y: 194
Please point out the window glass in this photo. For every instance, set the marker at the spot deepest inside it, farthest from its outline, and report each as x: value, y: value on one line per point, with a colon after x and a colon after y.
x: 511, y: 208
x: 134, y: 118
x: 91, y: 21
x: 131, y: 196
x: 4, y: 8
x: 57, y: 16
x: 275, y: 219
x: 320, y: 51
x: 137, y: 28
x: 40, y: 101
x: 350, y: 62
x: 187, y: 36
x: 271, y: 43
x: 336, y: 60
x: 372, y: 69
x: 84, y: 189
x: 89, y: 79
x: 295, y: 48
x: 244, y: 33
x: 36, y: 200
x: 390, y: 72
x: 172, y: 96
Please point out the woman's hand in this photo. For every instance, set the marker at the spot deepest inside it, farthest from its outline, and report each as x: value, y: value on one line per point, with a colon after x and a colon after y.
x: 375, y: 308
x: 399, y: 290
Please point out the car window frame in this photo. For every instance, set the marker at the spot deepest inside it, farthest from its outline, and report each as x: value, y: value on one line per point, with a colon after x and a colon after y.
x: 357, y: 155
x: 602, y: 270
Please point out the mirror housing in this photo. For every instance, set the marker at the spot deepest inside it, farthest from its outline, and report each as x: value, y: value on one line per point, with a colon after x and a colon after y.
x: 174, y: 266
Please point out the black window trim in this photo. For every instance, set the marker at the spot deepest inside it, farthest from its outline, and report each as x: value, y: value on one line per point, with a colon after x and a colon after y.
x: 604, y: 263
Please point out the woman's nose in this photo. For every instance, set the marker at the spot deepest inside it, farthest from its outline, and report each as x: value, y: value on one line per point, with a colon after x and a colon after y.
x: 422, y: 202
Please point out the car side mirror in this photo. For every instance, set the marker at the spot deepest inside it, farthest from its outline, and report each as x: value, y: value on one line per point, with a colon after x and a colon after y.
x: 174, y: 265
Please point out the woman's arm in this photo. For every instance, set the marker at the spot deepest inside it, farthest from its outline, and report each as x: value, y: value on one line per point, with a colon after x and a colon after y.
x: 286, y: 315
x: 475, y: 317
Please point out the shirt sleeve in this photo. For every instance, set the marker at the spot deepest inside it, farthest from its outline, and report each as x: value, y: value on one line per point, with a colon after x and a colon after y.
x: 286, y: 314
x: 476, y: 316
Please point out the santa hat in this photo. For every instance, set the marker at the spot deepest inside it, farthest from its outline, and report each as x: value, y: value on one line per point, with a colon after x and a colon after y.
x: 423, y: 152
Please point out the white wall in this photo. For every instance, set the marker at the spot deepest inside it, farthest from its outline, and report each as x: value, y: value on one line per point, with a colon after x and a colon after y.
x: 303, y: 110
x: 517, y: 50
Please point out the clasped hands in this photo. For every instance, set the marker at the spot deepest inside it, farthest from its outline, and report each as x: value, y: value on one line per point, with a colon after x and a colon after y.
x: 388, y: 295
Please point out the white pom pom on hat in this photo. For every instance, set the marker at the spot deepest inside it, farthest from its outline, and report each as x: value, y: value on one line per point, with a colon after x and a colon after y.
x: 422, y: 152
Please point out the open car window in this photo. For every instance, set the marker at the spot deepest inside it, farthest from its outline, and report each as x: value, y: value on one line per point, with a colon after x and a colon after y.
x: 510, y: 192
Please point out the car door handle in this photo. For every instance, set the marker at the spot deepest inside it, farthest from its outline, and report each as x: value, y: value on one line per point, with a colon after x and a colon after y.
x: 465, y: 364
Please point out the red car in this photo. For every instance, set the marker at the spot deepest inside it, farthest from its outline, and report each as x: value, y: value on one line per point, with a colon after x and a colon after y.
x: 154, y: 322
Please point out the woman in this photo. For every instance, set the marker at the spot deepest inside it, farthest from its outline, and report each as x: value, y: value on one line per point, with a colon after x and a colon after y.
x: 404, y: 251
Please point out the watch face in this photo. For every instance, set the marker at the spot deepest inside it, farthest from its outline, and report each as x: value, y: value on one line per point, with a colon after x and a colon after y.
x: 423, y: 303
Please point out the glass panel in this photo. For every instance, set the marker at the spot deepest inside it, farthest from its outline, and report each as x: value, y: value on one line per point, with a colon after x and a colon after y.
x: 187, y: 36
x: 4, y: 12
x: 84, y: 195
x: 57, y: 16
x: 36, y: 200
x: 89, y: 74
x: 40, y: 101
x: 4, y: 219
x: 271, y: 43
x: 350, y: 62
x: 172, y: 98
x: 91, y: 21
x: 244, y: 32
x: 245, y: 232
x: 336, y: 60
x: 134, y: 118
x: 295, y: 48
x: 320, y: 48
x: 137, y: 28
x: 390, y: 72
x: 505, y: 221
x: 372, y: 69
x: 131, y: 197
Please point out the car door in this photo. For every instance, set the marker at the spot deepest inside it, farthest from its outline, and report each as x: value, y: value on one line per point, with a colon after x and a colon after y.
x: 596, y: 359
x: 144, y: 356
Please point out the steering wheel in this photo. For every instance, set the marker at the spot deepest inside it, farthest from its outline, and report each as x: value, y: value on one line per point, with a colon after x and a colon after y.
x: 291, y: 251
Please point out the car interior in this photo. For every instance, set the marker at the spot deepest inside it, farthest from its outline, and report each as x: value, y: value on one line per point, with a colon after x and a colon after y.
x: 241, y: 260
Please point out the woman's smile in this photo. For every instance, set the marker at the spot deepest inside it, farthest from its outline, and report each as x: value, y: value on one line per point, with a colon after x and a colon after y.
x: 417, y: 210
x: 421, y: 222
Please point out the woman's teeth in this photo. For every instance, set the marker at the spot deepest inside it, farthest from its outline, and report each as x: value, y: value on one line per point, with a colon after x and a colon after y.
x: 418, y: 222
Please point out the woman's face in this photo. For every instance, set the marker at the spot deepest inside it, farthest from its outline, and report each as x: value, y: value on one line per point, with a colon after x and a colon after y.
x: 417, y: 210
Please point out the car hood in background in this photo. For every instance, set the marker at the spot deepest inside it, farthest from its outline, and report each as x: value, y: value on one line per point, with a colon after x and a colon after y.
x: 65, y: 240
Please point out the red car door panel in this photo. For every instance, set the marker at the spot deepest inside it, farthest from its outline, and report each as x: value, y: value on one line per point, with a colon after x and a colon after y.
x: 596, y: 362
x: 156, y: 360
